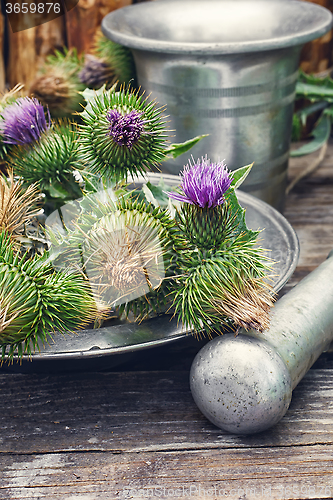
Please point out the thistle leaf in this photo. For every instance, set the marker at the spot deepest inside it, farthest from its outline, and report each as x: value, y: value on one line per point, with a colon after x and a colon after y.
x: 239, y: 175
x: 320, y: 133
x: 178, y: 149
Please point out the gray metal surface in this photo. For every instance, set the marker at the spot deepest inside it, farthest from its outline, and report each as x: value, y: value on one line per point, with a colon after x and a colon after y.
x: 240, y: 384
x: 278, y: 237
x: 224, y: 68
x: 244, y: 384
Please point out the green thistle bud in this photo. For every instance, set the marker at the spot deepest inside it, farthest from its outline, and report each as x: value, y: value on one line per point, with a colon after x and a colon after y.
x: 224, y: 288
x: 52, y: 163
x: 123, y: 135
x: 35, y: 301
x: 124, y: 247
x: 58, y: 84
x: 118, y: 58
x: 206, y: 227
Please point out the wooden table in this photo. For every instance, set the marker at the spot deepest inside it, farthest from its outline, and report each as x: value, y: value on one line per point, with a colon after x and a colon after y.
x: 135, y: 432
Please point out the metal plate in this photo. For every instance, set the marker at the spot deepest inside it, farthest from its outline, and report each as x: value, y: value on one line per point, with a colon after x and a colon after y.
x: 277, y: 236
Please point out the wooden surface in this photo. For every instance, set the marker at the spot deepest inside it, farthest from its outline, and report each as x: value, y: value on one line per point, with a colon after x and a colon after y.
x: 29, y: 48
x: 316, y: 56
x: 83, y: 21
x: 106, y: 435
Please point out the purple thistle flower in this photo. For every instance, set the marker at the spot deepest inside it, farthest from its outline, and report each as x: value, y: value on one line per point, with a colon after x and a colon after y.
x: 95, y: 72
x: 127, y: 129
x: 23, y: 121
x: 203, y: 183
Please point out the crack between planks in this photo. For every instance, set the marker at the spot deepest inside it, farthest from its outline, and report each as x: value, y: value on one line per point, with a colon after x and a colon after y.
x: 156, y: 449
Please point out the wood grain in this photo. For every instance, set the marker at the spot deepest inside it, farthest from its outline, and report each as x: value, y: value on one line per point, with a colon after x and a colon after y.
x: 143, y: 430
x: 142, y: 412
x: 29, y: 48
x: 286, y: 472
x: 83, y: 21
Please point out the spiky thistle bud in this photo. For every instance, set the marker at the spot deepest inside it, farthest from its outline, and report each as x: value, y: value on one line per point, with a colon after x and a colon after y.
x: 123, y: 134
x: 95, y: 72
x: 58, y: 85
x: 23, y: 122
x: 221, y: 277
x: 204, y: 217
x: 52, y: 163
x: 118, y: 59
x: 124, y: 247
x: 36, y: 301
x: 219, y: 290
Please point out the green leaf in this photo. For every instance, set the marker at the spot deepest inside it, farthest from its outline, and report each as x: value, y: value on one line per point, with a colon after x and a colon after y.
x: 178, y: 149
x: 239, y: 213
x: 239, y: 175
x: 329, y: 111
x: 158, y: 192
x: 308, y: 110
x: 313, y: 92
x: 90, y: 95
x: 149, y: 195
x: 321, y: 133
x: 56, y: 190
x: 314, y: 88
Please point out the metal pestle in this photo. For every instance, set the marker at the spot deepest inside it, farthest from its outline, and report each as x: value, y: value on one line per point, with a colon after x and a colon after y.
x: 244, y: 384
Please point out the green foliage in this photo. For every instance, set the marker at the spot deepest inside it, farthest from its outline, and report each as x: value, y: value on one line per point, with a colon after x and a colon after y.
x: 314, y: 88
x: 319, y: 91
x: 176, y: 150
x: 320, y: 134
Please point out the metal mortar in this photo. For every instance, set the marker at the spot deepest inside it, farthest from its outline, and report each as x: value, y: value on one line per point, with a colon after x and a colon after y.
x: 224, y: 68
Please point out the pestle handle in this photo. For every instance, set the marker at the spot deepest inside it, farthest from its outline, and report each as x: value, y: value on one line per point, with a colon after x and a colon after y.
x: 244, y: 384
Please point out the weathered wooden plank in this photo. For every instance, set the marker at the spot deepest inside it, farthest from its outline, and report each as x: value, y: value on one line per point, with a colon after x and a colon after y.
x: 316, y: 241
x: 29, y: 48
x: 83, y: 21
x: 138, y: 412
x: 276, y: 473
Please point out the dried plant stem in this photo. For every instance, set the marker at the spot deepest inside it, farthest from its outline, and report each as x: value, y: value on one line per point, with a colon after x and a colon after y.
x: 311, y: 168
x: 17, y: 204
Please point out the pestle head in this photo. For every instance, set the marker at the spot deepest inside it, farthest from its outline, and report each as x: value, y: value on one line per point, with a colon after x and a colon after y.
x: 240, y: 384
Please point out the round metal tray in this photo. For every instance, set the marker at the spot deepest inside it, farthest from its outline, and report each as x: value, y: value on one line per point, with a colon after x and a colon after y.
x: 277, y: 236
